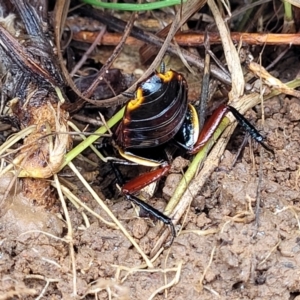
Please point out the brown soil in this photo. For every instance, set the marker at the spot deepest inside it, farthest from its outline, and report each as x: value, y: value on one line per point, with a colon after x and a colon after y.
x: 251, y: 257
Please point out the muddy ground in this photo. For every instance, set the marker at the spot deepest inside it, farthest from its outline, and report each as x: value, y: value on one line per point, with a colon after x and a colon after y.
x: 251, y: 257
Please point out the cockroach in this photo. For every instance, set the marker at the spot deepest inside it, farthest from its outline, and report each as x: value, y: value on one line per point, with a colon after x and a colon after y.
x: 158, y: 114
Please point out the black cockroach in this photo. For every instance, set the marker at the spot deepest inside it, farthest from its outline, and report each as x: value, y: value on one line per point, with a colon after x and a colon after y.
x: 158, y: 114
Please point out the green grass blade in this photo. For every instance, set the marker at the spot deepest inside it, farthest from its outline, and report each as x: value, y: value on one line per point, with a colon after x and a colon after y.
x: 134, y: 7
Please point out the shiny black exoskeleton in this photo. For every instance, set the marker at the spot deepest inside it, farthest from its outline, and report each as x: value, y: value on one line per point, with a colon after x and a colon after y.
x: 159, y: 113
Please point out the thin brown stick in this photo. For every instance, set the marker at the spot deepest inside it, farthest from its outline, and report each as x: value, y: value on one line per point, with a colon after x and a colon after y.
x: 196, y: 39
x: 111, y: 59
x: 85, y: 56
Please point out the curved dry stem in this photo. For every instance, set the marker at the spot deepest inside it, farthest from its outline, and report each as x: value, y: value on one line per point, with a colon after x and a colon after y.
x: 230, y: 52
x: 16, y: 137
x: 48, y: 281
x: 170, y: 284
x: 199, y: 287
x: 77, y: 203
x: 111, y: 287
x: 270, y: 252
x: 69, y: 236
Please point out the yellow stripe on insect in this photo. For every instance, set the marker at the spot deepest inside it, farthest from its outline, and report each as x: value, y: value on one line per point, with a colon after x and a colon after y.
x: 195, y: 122
x: 139, y: 99
x: 167, y: 76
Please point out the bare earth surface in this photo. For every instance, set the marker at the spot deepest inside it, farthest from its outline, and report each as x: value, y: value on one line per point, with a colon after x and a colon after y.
x: 243, y: 255
x: 250, y: 258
